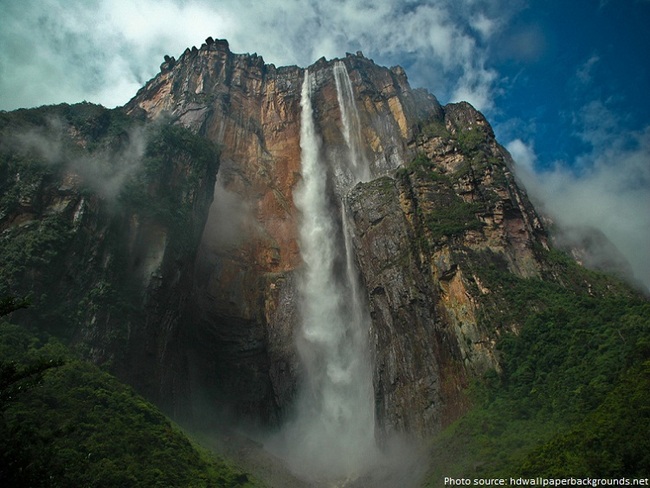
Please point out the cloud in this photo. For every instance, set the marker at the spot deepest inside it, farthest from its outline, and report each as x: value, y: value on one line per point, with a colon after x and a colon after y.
x: 100, y: 51
x: 104, y: 50
x: 105, y: 171
x: 606, y: 188
x: 523, y: 154
x: 584, y: 72
x: 484, y: 25
x: 605, y: 184
x: 598, y: 126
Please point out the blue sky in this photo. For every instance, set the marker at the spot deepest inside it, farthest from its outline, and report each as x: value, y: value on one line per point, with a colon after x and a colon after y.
x: 588, y: 52
x: 563, y: 82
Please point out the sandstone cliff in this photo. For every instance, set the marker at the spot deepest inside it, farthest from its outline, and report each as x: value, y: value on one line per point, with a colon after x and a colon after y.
x: 184, y: 279
x: 412, y: 227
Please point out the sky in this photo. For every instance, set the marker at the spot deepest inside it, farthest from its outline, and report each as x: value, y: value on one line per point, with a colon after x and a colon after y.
x: 563, y: 83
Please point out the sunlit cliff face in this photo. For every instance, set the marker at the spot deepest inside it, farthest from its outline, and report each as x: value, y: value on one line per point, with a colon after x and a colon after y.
x: 365, y: 128
x: 320, y: 283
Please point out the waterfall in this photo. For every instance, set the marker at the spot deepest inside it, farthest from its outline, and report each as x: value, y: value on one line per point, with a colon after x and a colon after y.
x: 332, y: 435
x: 355, y: 167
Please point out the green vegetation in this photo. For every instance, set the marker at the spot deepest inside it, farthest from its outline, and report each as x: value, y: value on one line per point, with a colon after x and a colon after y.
x: 163, y: 191
x: 611, y: 441
x: 470, y: 140
x: 421, y: 166
x: 63, y: 422
x: 35, y: 245
x: 91, y: 118
x: 436, y: 128
x: 454, y: 218
x: 573, y: 398
x: 10, y: 304
x: 448, y: 214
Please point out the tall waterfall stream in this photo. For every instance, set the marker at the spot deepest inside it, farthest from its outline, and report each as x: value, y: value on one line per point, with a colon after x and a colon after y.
x: 333, y: 433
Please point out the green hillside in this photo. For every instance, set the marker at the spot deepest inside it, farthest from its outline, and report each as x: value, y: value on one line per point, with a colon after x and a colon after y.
x: 65, y: 423
x: 573, y: 399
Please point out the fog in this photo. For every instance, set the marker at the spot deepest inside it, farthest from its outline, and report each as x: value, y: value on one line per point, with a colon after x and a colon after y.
x: 607, y: 191
x: 104, y: 170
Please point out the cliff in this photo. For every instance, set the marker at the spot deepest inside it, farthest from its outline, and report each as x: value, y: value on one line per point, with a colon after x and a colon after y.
x: 101, y: 215
x: 178, y: 265
x: 438, y: 185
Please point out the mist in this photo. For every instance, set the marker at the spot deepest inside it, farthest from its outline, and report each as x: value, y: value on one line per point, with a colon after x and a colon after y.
x: 104, y: 170
x: 607, y: 191
x: 231, y: 221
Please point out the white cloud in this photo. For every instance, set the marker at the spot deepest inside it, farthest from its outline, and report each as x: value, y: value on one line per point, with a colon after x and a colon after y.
x: 100, y: 51
x: 104, y: 50
x: 598, y: 126
x: 607, y: 188
x: 523, y: 154
x: 584, y: 72
x: 484, y: 25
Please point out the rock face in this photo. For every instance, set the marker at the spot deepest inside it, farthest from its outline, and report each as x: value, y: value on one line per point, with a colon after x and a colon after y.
x: 244, y: 298
x: 100, y: 220
x: 215, y: 314
x: 417, y: 233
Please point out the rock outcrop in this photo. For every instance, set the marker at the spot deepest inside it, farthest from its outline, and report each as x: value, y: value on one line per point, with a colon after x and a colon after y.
x: 417, y: 233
